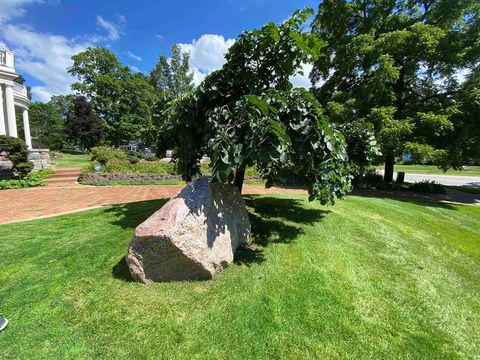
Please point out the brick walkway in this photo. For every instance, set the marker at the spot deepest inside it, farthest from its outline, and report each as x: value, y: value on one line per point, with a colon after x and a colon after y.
x: 19, y: 205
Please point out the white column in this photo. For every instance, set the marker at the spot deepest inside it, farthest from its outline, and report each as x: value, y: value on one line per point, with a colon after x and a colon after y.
x: 11, y: 120
x: 26, y: 128
x: 3, y: 129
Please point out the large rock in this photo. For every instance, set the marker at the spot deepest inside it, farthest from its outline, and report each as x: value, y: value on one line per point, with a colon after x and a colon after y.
x: 193, y: 236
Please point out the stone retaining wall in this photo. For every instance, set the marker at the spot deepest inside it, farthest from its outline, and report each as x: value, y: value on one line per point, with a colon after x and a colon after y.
x: 40, y: 159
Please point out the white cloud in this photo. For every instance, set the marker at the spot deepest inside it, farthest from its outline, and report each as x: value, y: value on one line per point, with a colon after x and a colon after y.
x: 43, y: 56
x: 134, y: 68
x: 206, y: 54
x: 46, y: 56
x: 13, y: 8
x: 113, y: 29
x: 158, y: 36
x: 299, y: 80
x: 133, y: 56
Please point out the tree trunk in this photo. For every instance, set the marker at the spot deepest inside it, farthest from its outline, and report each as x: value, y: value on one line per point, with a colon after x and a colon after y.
x: 389, y: 164
x: 239, y: 177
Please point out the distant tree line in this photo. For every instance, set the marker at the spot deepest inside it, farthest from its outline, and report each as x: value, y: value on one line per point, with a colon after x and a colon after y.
x: 111, y: 104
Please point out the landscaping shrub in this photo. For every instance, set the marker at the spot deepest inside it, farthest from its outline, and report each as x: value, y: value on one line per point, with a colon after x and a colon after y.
x: 133, y: 159
x: 104, y: 154
x: 33, y: 179
x: 151, y: 158
x: 17, y: 153
x: 370, y: 179
x: 428, y: 186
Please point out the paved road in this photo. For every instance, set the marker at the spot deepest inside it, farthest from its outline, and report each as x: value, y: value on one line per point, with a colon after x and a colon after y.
x: 451, y: 180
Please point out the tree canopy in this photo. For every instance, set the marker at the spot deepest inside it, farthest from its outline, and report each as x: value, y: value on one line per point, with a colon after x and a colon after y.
x: 84, y: 127
x: 47, y: 121
x: 172, y: 77
x: 464, y: 143
x: 248, y: 114
x: 393, y: 63
x: 123, y: 100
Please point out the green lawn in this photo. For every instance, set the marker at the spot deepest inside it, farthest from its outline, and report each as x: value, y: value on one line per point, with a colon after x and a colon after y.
x: 71, y: 159
x: 369, y: 278
x: 432, y: 169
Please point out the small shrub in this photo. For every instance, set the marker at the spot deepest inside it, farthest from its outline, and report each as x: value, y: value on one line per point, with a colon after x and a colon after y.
x: 17, y: 153
x: 24, y: 168
x: 371, y: 179
x: 151, y: 158
x: 429, y: 187
x: 133, y: 159
x: 104, y: 154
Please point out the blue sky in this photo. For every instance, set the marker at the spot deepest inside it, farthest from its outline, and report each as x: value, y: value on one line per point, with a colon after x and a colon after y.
x: 44, y: 34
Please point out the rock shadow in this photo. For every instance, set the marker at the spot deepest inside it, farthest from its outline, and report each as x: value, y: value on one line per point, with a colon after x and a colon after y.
x: 121, y: 272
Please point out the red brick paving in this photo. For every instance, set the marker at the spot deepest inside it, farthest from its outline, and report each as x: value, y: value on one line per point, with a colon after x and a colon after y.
x: 19, y: 205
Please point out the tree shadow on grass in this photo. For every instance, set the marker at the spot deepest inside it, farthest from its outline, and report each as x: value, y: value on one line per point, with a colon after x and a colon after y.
x: 274, y: 221
x: 430, y: 200
x: 129, y: 216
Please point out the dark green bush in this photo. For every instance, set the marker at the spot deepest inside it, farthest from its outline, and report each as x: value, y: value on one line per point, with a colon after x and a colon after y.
x: 133, y: 159
x: 151, y: 158
x: 371, y: 179
x: 23, y: 168
x: 17, y: 153
x: 427, y: 186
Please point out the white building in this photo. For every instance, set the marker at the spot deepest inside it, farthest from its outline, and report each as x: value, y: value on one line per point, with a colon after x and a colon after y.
x: 13, y: 98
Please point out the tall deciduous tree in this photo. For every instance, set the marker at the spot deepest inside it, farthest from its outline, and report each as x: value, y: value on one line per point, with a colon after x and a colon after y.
x: 47, y: 121
x: 392, y: 63
x: 464, y: 143
x: 122, y: 99
x: 46, y: 126
x: 248, y: 114
x: 84, y: 127
x: 172, y: 77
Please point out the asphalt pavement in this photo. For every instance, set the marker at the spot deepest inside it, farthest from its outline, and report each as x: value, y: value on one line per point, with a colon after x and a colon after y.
x: 449, y: 180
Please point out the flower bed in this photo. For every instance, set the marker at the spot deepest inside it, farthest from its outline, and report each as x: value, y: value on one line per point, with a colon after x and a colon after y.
x: 98, y: 178
x: 140, y: 168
